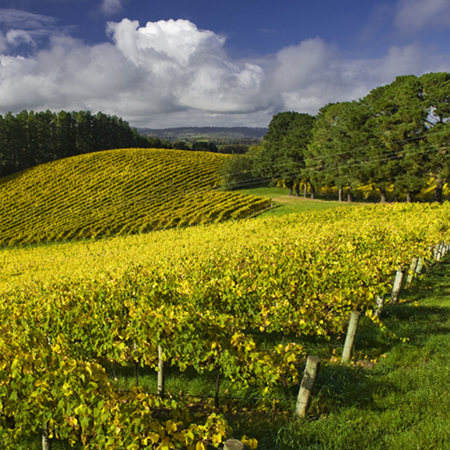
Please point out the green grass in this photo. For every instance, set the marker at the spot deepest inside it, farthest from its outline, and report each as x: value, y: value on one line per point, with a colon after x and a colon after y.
x: 285, y: 204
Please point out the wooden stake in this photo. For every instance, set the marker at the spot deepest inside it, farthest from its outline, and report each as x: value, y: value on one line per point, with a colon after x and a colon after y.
x: 397, y: 286
x: 437, y: 252
x: 307, y: 385
x: 46, y: 441
x: 419, y: 266
x: 411, y: 272
x: 441, y: 250
x: 380, y: 304
x: 160, y: 372
x: 351, y: 332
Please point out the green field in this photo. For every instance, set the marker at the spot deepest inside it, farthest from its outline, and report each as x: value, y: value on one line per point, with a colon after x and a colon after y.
x: 285, y: 204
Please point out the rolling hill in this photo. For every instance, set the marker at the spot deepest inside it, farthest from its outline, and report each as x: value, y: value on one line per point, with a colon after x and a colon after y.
x: 116, y: 192
x: 218, y: 135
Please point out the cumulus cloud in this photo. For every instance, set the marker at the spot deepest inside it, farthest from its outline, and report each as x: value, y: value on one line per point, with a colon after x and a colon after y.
x: 414, y: 15
x: 170, y: 73
x: 188, y: 65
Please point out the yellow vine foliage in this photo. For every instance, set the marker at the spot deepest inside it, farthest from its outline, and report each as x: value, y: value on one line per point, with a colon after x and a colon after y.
x: 206, y: 295
x: 114, y: 192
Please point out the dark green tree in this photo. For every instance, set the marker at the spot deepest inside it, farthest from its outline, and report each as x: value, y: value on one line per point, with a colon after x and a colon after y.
x: 397, y: 123
x: 336, y: 154
x: 436, y: 147
x: 180, y: 145
x: 237, y: 171
x: 282, y: 158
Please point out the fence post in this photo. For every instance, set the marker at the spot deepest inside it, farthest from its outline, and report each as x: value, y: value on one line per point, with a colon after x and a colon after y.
x: 441, y: 249
x: 411, y: 272
x: 419, y: 266
x: 160, y: 372
x: 233, y: 444
x: 46, y: 441
x: 351, y: 332
x: 437, y: 252
x: 397, y: 286
x: 307, y: 385
x: 380, y: 304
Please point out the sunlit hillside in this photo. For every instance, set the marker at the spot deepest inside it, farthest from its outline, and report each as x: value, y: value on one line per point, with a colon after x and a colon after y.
x: 117, y: 192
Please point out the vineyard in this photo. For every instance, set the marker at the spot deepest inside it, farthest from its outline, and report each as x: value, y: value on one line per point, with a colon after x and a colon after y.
x: 117, y: 192
x: 233, y: 299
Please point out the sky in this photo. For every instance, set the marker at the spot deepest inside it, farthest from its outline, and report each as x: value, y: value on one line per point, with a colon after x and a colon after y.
x: 173, y: 63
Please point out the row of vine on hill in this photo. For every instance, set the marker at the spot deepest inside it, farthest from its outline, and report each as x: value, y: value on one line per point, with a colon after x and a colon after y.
x: 117, y: 192
x: 210, y: 308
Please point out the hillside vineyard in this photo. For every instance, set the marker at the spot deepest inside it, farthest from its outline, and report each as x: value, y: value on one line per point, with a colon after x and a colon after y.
x: 117, y: 192
x: 209, y: 297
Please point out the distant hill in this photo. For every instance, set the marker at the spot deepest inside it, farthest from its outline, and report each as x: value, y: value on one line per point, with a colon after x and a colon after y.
x: 117, y: 192
x: 219, y: 135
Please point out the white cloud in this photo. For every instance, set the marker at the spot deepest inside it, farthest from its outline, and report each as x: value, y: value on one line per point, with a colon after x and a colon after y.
x: 415, y: 15
x: 188, y: 65
x: 21, y: 27
x: 170, y: 73
x: 111, y: 6
x: 16, y: 37
x: 13, y: 18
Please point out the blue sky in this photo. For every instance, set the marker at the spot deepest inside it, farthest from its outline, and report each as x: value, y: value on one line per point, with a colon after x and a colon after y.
x: 235, y: 63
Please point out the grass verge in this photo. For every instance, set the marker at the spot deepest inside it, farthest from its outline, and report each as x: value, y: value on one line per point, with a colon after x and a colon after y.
x: 285, y: 204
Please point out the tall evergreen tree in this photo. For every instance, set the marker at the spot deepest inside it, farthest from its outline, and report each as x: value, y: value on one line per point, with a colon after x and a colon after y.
x: 398, y: 116
x: 436, y: 95
x: 336, y: 155
x: 282, y: 158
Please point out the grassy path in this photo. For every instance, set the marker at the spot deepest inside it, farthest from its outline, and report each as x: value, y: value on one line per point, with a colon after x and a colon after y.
x: 285, y: 204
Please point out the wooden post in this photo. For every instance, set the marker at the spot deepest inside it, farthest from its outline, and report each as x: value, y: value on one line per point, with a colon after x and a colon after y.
x: 437, y: 252
x: 233, y: 444
x: 419, y: 266
x: 307, y: 385
x: 380, y: 304
x: 351, y: 332
x: 46, y: 441
x: 441, y: 250
x: 160, y: 372
x: 397, y: 286
x: 411, y: 272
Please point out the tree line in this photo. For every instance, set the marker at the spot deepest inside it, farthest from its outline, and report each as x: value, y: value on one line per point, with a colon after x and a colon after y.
x: 31, y: 138
x: 397, y: 137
